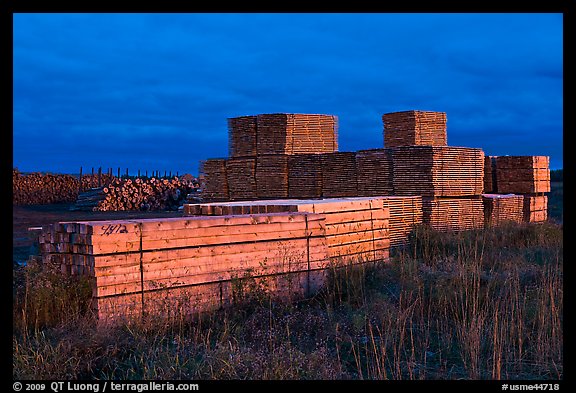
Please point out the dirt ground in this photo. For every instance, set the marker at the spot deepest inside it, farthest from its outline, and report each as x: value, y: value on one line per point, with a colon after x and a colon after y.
x: 24, y: 217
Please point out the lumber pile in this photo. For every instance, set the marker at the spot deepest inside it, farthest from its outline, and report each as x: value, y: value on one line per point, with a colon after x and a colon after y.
x: 535, y: 208
x: 272, y: 176
x: 305, y: 176
x: 241, y: 177
x: 339, y: 175
x: 135, y: 262
x: 214, y: 183
x: 522, y: 174
x: 242, y: 136
x: 453, y: 214
x: 356, y: 228
x: 490, y: 174
x: 138, y: 194
x: 374, y: 169
x: 405, y: 213
x: 499, y: 209
x: 438, y: 171
x: 414, y: 128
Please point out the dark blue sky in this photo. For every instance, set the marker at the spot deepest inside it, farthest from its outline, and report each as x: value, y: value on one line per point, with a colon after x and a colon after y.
x: 153, y: 91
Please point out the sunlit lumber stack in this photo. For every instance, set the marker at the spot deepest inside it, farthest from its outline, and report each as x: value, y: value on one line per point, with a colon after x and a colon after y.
x: 535, y: 208
x: 522, y: 174
x: 242, y: 136
x: 405, y: 213
x: 272, y: 176
x: 438, y: 170
x: 374, y: 169
x: 339, y: 175
x: 410, y: 128
x: 499, y: 209
x: 356, y: 228
x: 241, y: 175
x: 305, y: 176
x: 215, y: 183
x: 144, y: 257
x: 490, y: 174
x: 453, y: 214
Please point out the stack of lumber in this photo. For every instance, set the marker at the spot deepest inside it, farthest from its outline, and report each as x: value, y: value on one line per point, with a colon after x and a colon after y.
x: 282, y: 133
x: 135, y: 263
x: 499, y: 209
x: 374, y: 169
x: 339, y: 175
x: 453, y: 214
x: 535, y: 208
x: 410, y: 128
x: 272, y: 176
x: 305, y: 176
x: 405, y: 213
x: 137, y: 194
x: 356, y: 228
x: 490, y: 174
x: 242, y: 136
x: 438, y: 170
x: 214, y: 181
x: 241, y: 176
x: 522, y: 174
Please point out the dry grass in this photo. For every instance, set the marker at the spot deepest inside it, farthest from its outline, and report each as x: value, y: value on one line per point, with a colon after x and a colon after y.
x: 477, y: 305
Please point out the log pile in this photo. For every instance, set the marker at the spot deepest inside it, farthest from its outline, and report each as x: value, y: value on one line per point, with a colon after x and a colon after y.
x: 137, y: 194
x: 241, y: 178
x: 305, y: 176
x: 522, y: 174
x: 374, y: 169
x: 438, y: 171
x: 137, y: 265
x: 405, y: 213
x: 414, y: 128
x: 242, y: 136
x: 453, y: 214
x: 272, y: 176
x: 40, y: 189
x: 490, y: 174
x: 357, y: 229
x: 499, y: 209
x: 535, y: 208
x: 339, y: 175
x: 214, y: 182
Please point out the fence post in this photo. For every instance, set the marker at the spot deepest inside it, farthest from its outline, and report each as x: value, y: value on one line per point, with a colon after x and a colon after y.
x: 100, y: 177
x: 80, y: 186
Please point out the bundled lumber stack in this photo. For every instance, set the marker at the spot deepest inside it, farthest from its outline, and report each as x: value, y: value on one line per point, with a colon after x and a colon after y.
x: 214, y: 180
x: 272, y: 176
x: 241, y: 176
x: 411, y: 128
x: 453, y: 214
x: 374, y: 169
x: 356, y: 228
x: 535, y: 208
x: 438, y: 171
x: 135, y: 263
x: 490, y: 174
x: 242, y: 136
x: 137, y: 194
x: 305, y: 176
x: 499, y: 209
x: 339, y: 175
x: 405, y: 213
x: 523, y: 174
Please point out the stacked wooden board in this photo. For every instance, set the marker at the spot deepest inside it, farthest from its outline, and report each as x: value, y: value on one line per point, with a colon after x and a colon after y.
x: 241, y: 177
x: 374, y: 171
x: 272, y: 176
x: 242, y: 136
x: 535, y: 208
x: 405, y: 213
x: 499, y: 209
x: 214, y: 180
x: 453, y: 214
x: 414, y: 128
x: 490, y: 174
x: 357, y: 229
x: 523, y: 174
x: 339, y: 175
x: 438, y: 171
x: 305, y: 176
x: 135, y: 260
